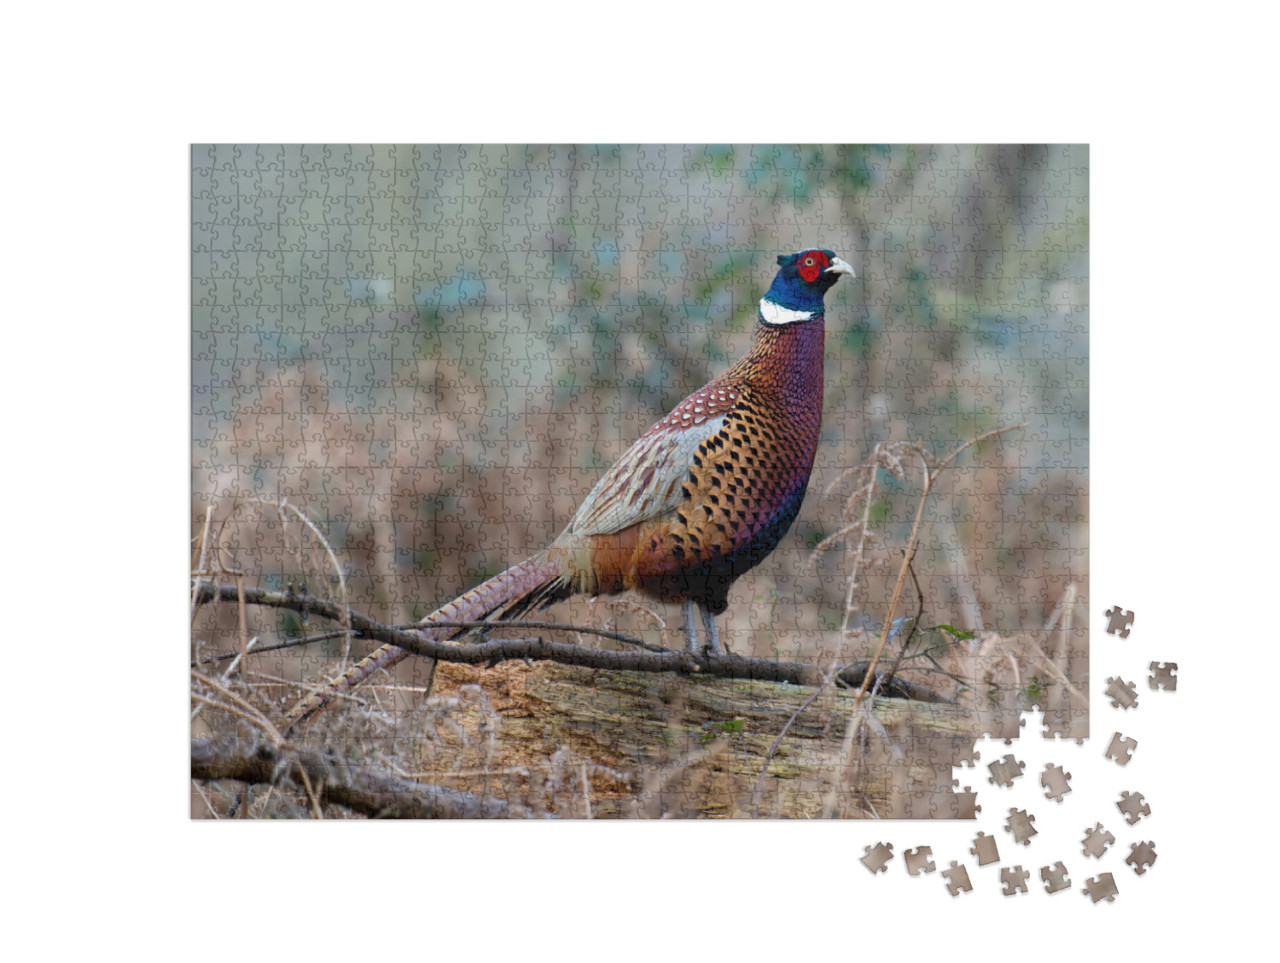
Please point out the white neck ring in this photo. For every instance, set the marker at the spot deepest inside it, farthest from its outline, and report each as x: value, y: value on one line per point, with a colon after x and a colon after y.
x: 776, y: 314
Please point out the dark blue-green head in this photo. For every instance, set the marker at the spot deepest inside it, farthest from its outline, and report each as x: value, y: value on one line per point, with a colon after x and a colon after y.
x: 801, y: 282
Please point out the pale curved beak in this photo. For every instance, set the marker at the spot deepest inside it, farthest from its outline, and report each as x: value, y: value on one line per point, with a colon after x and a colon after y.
x: 839, y: 266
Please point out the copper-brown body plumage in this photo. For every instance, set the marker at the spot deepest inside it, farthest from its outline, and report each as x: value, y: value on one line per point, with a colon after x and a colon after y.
x: 702, y: 497
x: 735, y: 494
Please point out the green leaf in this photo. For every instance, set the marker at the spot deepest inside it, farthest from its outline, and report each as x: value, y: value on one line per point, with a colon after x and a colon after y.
x: 961, y: 635
x: 716, y: 729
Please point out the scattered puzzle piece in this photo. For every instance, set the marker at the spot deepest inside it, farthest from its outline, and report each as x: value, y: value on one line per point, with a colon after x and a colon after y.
x: 957, y: 879
x: 1141, y: 856
x: 1055, y: 783
x: 1005, y: 771
x: 1015, y: 880
x: 1102, y: 886
x: 876, y: 858
x: 1121, y: 693
x: 1133, y: 806
x: 1055, y: 880
x: 1019, y: 823
x: 1163, y: 676
x: 1119, y: 621
x: 1096, y: 841
x: 1121, y: 749
x: 984, y: 847
x: 918, y: 860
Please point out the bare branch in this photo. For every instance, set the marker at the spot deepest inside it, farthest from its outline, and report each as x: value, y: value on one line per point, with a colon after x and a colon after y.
x: 494, y: 651
x: 930, y: 476
x: 330, y: 779
x: 333, y: 559
x: 287, y: 644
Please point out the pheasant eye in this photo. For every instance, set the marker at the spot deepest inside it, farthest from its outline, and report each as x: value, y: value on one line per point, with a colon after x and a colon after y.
x: 812, y: 266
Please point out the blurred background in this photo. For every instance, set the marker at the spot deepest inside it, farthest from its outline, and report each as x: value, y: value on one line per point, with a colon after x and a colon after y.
x: 435, y: 352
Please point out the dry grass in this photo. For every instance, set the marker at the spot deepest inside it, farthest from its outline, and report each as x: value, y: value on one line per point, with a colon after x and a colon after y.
x: 455, y: 729
x: 404, y: 392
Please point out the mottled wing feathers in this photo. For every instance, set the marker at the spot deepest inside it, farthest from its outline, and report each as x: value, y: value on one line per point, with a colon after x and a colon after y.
x: 702, y: 497
x: 745, y: 486
x: 647, y: 482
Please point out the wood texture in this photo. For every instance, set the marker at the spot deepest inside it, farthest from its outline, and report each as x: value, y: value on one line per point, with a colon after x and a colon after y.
x: 687, y: 746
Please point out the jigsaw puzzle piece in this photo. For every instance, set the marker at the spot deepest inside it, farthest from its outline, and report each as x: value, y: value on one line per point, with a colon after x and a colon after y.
x: 1019, y: 824
x: 1066, y: 723
x: 957, y: 879
x: 1096, y: 841
x: 1102, y: 886
x: 918, y: 860
x: 1122, y: 694
x: 1121, y: 749
x: 1005, y: 771
x: 1133, y: 806
x: 1119, y: 621
x: 1055, y: 782
x: 1015, y: 879
x: 964, y: 750
x: 877, y: 857
x: 1164, y: 675
x: 1141, y: 856
x: 1055, y: 879
x: 984, y: 847
x: 966, y: 803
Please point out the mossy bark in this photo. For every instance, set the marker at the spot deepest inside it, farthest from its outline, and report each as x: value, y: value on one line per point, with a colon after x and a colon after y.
x: 642, y: 744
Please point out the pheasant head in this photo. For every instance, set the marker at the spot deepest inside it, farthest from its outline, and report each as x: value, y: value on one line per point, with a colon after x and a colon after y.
x: 798, y: 287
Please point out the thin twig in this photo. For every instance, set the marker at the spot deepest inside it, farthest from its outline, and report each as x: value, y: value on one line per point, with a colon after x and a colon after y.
x: 768, y: 756
x: 912, y: 541
x: 254, y: 715
x: 249, y: 717
x: 311, y: 793
x: 238, y: 660
x: 333, y: 558
x: 915, y: 624
x: 243, y: 619
x: 208, y: 803
x: 262, y: 649
x: 1054, y: 670
x: 492, y: 652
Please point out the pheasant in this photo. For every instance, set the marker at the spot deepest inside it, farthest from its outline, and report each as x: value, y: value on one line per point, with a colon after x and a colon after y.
x: 702, y: 497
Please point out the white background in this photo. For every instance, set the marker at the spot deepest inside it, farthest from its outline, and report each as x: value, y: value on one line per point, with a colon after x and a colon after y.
x: 100, y: 852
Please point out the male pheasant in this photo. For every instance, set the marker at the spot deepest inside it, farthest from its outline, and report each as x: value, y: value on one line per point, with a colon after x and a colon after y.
x: 702, y: 497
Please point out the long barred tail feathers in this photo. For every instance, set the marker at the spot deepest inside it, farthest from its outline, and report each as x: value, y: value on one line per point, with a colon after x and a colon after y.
x: 508, y: 592
x: 529, y: 583
x: 383, y: 657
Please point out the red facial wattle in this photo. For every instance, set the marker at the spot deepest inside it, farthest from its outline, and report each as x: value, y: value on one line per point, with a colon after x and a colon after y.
x: 812, y: 265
